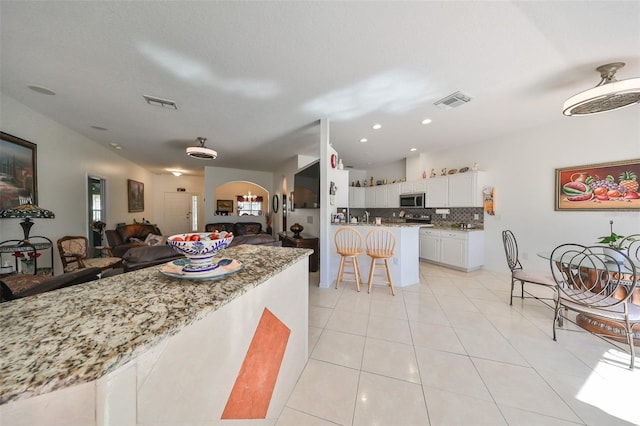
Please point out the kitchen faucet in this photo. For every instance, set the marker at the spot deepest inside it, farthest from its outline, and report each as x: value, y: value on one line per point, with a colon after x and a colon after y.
x: 366, y: 215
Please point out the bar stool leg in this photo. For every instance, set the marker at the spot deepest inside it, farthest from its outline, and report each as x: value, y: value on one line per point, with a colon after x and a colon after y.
x: 340, y: 269
x: 386, y: 264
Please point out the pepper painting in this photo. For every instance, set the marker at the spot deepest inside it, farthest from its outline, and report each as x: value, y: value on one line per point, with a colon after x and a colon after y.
x: 604, y: 186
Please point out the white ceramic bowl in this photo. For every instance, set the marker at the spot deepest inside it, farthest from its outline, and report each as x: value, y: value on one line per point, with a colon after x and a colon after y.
x: 205, y: 248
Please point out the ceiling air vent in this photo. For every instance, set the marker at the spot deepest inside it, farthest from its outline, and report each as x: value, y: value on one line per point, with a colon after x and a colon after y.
x: 453, y: 100
x: 163, y: 103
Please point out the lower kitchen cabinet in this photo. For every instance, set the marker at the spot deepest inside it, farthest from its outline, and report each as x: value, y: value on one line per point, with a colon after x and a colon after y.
x: 462, y: 250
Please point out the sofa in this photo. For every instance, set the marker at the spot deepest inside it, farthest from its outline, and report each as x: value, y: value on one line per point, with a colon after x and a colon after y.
x: 125, y: 237
x: 244, y: 233
x: 22, y: 285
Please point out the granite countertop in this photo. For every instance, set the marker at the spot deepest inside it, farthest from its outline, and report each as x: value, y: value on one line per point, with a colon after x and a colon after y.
x: 78, y: 334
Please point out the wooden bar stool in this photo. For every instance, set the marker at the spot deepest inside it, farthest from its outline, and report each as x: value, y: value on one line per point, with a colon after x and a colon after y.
x: 349, y: 246
x: 380, y: 246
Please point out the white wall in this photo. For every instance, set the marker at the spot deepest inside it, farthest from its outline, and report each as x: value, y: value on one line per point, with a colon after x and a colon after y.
x: 65, y: 160
x: 522, y: 169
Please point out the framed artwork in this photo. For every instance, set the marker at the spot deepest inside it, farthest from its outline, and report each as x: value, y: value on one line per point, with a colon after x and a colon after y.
x: 18, y: 172
x: 604, y: 186
x: 275, y: 200
x: 224, y: 205
x: 135, y: 195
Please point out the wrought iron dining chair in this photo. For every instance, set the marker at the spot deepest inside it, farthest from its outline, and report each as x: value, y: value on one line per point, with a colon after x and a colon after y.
x: 381, y: 244
x: 518, y: 273
x: 591, y: 282
x: 349, y: 246
x: 74, y: 254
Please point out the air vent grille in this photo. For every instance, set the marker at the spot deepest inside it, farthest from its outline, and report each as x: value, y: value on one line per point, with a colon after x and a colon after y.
x: 163, y: 103
x: 453, y: 100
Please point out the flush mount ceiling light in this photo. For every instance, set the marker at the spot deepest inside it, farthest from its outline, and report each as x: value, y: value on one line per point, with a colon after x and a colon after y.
x: 202, y: 151
x: 609, y: 95
x: 176, y: 173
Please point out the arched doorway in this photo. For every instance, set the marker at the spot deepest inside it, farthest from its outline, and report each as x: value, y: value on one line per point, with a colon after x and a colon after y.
x: 241, y: 198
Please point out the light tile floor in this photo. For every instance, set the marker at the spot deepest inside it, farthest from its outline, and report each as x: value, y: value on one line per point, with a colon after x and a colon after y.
x: 451, y: 351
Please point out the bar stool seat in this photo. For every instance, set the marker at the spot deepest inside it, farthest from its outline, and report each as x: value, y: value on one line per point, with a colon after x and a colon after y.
x: 381, y: 244
x: 349, y: 246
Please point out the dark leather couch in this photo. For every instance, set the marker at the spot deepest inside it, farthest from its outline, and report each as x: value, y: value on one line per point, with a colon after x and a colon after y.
x: 244, y: 233
x: 21, y: 285
x: 125, y: 237
x: 145, y: 256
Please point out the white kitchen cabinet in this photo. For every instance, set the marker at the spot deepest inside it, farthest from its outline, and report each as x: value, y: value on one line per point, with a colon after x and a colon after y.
x: 465, y: 189
x: 462, y: 250
x: 459, y: 190
x: 356, y: 197
x: 370, y: 196
x: 437, y: 192
x: 393, y: 195
x: 380, y: 196
x: 413, y: 186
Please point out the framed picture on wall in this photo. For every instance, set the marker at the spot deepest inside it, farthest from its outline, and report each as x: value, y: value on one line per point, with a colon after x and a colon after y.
x: 604, y: 186
x: 135, y: 196
x: 224, y: 206
x: 18, y: 172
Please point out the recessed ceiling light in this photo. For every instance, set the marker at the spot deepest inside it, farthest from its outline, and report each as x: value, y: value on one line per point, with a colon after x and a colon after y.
x: 376, y: 126
x: 363, y: 140
x: 176, y: 173
x: 118, y: 147
x: 99, y: 128
x: 41, y: 90
x: 413, y: 149
x: 426, y: 121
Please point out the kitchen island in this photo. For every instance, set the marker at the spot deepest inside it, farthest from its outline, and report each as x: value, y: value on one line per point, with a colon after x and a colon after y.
x: 145, y: 348
x: 404, y: 264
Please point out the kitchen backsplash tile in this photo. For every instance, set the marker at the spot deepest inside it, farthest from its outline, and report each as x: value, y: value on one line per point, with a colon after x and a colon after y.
x: 458, y: 214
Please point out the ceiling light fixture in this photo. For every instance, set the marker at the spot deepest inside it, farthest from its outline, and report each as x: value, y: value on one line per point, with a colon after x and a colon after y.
x: 176, y: 173
x: 376, y: 126
x: 413, y: 149
x: 202, y: 152
x: 609, y: 95
x: 363, y: 140
x: 426, y: 121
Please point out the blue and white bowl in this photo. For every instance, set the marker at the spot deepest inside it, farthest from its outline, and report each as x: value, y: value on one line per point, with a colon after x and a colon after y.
x: 200, y: 253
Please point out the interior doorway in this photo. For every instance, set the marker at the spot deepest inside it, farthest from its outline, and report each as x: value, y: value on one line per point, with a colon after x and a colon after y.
x: 180, y: 213
x: 97, y: 209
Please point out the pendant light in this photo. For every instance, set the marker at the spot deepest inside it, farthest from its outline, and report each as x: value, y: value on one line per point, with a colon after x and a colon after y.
x: 609, y: 95
x: 202, y: 152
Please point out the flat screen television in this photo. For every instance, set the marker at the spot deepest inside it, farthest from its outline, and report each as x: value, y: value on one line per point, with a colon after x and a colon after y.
x: 306, y: 187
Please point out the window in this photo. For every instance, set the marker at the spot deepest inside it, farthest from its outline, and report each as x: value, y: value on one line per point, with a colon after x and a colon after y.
x: 249, y: 205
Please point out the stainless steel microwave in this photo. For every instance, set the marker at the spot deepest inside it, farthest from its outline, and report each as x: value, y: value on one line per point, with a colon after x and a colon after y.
x: 413, y: 200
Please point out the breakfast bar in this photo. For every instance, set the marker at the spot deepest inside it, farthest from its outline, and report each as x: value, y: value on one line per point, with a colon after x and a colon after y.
x: 147, y: 348
x: 404, y: 265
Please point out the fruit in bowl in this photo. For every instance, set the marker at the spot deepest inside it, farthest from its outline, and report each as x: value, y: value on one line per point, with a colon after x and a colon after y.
x: 199, y: 248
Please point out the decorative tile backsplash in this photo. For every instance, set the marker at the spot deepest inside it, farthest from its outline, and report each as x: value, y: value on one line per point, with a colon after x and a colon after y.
x: 458, y: 214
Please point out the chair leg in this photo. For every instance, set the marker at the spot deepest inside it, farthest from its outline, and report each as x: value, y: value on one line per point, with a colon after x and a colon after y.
x: 340, y: 269
x: 521, y: 289
x: 356, y: 272
x: 512, y: 286
x: 371, y: 271
x: 630, y: 341
x: 386, y: 264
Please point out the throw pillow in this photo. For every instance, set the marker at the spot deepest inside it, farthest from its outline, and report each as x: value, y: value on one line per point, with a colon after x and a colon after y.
x: 155, y: 240
x: 135, y: 240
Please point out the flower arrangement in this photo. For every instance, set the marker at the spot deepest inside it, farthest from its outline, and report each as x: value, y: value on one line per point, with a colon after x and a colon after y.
x: 98, y: 225
x: 27, y: 263
x: 613, y: 240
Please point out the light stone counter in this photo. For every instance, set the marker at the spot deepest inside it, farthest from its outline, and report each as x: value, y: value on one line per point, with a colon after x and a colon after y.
x: 78, y: 334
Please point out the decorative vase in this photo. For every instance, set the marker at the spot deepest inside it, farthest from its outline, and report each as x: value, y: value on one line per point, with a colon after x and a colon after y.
x: 614, y: 253
x: 296, y: 228
x: 27, y: 267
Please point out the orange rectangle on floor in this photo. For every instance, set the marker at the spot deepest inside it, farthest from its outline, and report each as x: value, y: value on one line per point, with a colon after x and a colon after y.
x: 251, y: 393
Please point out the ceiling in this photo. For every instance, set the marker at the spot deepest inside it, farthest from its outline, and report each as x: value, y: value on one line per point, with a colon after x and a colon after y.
x: 254, y: 77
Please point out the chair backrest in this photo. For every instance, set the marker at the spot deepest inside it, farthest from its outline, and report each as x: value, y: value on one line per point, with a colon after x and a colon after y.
x: 348, y: 241
x: 381, y: 243
x: 71, y: 248
x: 632, y: 244
x: 592, y: 277
x: 511, y: 250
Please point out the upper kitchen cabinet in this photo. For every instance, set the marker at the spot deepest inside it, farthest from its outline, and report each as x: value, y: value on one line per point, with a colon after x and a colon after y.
x: 393, y: 195
x: 413, y: 186
x: 356, y: 197
x: 459, y: 190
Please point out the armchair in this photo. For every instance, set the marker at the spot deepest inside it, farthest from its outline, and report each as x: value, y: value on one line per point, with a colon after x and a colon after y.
x: 73, y: 252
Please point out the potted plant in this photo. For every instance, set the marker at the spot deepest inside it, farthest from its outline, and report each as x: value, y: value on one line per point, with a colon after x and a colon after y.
x: 615, y: 245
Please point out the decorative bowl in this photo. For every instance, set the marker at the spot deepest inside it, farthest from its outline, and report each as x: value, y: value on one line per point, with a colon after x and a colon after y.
x: 200, y: 252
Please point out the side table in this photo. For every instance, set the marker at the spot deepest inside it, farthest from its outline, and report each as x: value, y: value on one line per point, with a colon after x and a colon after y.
x: 33, y: 247
x: 304, y: 242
